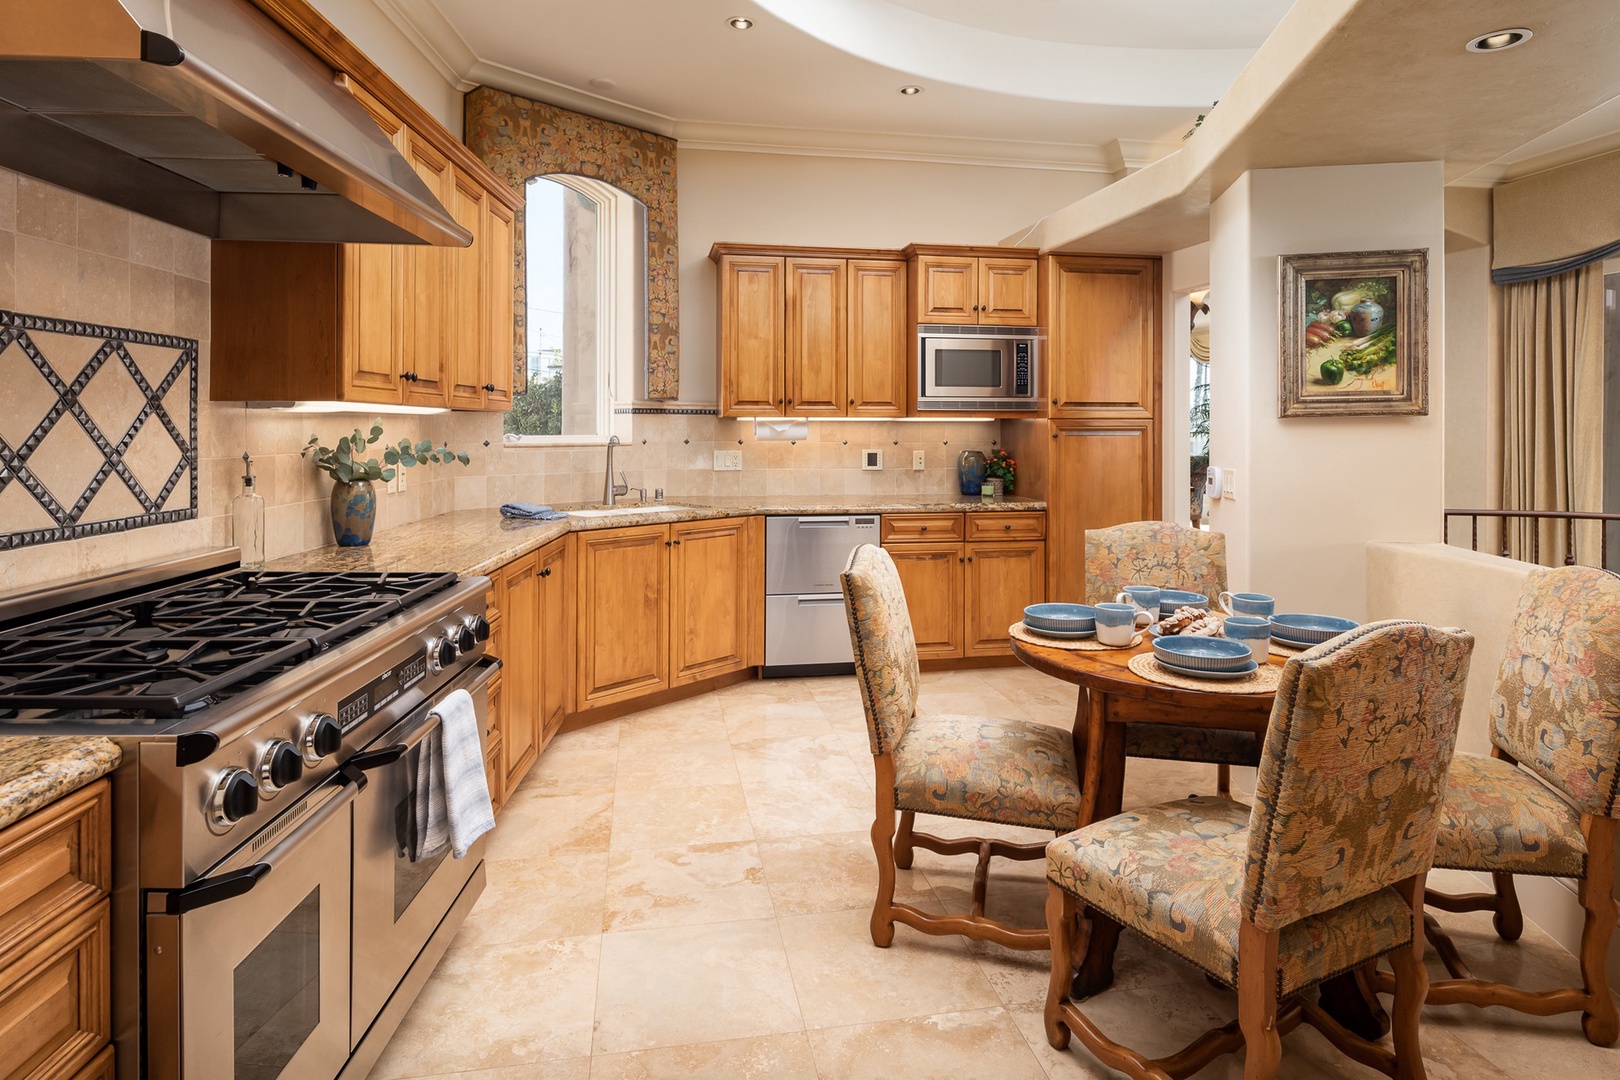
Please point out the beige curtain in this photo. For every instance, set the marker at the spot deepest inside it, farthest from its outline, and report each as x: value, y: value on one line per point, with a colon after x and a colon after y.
x: 1552, y: 410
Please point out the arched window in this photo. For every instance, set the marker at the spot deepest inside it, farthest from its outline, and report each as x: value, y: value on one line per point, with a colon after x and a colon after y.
x: 585, y: 245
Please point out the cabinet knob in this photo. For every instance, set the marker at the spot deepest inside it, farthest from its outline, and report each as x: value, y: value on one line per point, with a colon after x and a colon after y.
x: 546, y: 572
x: 852, y: 401
x: 489, y: 388
x: 1009, y: 527
x: 1054, y: 401
x: 925, y: 528
x: 959, y: 558
x: 779, y: 401
x: 677, y: 543
x: 666, y: 543
x: 970, y: 558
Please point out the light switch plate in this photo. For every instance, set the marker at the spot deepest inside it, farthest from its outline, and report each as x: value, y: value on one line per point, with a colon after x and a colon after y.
x: 401, y: 478
x: 917, y: 461
x: 727, y: 461
x: 872, y: 460
x: 1229, y: 490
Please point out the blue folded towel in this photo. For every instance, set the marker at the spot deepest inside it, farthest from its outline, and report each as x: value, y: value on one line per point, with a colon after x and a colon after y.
x: 531, y: 511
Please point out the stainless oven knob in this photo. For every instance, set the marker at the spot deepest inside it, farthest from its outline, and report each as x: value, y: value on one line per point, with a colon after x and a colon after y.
x: 463, y: 636
x: 479, y: 626
x: 279, y: 765
x: 441, y: 653
x: 235, y: 797
x: 322, y: 737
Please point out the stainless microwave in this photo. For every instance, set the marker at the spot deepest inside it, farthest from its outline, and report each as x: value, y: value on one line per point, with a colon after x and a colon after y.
x: 978, y: 368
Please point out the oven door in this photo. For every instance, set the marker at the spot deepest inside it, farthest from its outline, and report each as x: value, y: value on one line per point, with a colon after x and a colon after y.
x: 966, y: 367
x: 248, y: 968
x: 398, y: 904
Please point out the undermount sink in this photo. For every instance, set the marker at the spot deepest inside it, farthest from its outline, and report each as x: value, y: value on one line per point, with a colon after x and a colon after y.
x: 625, y: 511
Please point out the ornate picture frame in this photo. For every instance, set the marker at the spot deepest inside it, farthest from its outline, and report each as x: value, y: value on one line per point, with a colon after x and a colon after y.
x: 1354, y: 334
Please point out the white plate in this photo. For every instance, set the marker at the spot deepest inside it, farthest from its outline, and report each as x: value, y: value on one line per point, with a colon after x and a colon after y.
x: 1066, y: 635
x: 1219, y: 676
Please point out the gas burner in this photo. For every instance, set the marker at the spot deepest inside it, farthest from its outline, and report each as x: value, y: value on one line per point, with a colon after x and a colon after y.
x: 174, y: 650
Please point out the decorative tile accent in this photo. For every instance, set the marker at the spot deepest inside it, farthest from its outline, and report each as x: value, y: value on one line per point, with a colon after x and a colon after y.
x: 519, y: 138
x: 65, y: 393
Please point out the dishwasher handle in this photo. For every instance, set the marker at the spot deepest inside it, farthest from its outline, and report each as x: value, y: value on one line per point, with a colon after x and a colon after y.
x: 820, y: 598
x: 823, y: 522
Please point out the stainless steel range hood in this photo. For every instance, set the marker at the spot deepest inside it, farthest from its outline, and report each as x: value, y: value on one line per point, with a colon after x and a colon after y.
x: 204, y: 114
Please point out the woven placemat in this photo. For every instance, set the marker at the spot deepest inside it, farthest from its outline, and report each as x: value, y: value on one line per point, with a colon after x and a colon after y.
x: 1279, y: 649
x: 1263, y: 680
x: 1025, y: 634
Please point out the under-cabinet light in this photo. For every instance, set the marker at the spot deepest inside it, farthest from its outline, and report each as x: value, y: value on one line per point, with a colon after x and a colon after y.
x: 346, y: 407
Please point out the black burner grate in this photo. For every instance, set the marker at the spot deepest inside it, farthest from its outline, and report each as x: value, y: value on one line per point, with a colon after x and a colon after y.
x: 174, y: 650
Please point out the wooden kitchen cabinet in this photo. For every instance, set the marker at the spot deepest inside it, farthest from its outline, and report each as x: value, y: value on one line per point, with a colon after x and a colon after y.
x: 377, y: 323
x: 966, y: 286
x: 962, y: 596
x: 811, y: 332
x: 494, y: 759
x: 555, y: 660
x: 55, y: 952
x: 1102, y: 350
x: 664, y: 606
x: 517, y: 585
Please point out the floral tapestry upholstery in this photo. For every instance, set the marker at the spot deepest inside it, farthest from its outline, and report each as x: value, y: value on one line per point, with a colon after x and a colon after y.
x: 1174, y: 874
x: 1353, y: 770
x: 1556, y: 708
x: 519, y: 138
x: 1183, y: 742
x: 1011, y: 772
x: 1497, y: 817
x: 885, y: 651
x: 1158, y: 553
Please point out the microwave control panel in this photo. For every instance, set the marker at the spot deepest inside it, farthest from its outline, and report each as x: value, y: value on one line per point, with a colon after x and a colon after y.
x: 1021, y: 370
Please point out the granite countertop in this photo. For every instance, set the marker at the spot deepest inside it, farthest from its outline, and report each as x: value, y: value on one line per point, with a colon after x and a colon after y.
x: 480, y: 541
x: 35, y: 772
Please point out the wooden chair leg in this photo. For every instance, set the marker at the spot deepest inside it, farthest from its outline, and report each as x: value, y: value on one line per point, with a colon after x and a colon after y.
x: 883, y: 848
x: 1257, y: 1002
x: 1599, y: 1020
x: 902, y: 840
x: 1061, y: 910
x: 1508, y: 919
x: 1411, y: 988
x: 1223, y: 781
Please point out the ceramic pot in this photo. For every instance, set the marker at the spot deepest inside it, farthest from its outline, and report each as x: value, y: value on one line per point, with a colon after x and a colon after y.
x: 970, y: 471
x: 354, y: 513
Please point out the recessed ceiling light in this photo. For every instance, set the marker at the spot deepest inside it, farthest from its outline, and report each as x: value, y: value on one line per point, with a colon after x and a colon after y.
x: 739, y: 22
x: 603, y: 84
x: 1497, y: 40
x: 911, y: 91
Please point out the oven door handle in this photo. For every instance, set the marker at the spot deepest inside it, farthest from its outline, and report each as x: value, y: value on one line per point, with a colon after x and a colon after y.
x: 376, y: 759
x: 229, y: 884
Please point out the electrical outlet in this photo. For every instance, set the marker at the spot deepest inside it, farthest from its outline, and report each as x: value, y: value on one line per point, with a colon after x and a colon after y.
x: 872, y: 460
x: 727, y: 461
x: 917, y: 461
x: 401, y: 479
x: 392, y: 485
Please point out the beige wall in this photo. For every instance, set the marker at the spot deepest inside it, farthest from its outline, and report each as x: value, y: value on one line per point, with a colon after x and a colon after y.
x: 1313, y: 491
x: 363, y: 23
x: 1183, y: 272
x: 830, y: 201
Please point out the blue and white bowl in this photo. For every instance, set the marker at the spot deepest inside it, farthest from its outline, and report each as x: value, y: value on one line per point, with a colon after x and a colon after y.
x: 1202, y: 653
x: 1171, y: 599
x: 1061, y: 618
x: 1309, y: 629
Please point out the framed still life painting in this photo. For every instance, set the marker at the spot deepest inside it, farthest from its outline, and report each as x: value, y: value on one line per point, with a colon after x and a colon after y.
x: 1354, y: 334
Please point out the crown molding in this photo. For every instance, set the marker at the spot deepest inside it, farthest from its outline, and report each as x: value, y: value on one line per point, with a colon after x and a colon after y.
x: 426, y: 28
x: 888, y: 146
x: 484, y: 73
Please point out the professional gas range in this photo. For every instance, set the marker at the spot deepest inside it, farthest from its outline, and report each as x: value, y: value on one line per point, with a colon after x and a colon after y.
x: 269, y: 919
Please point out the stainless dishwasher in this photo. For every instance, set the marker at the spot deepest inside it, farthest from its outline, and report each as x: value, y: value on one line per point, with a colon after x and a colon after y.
x: 806, y: 632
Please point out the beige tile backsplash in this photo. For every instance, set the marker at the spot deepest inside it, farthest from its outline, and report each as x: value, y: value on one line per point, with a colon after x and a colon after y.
x: 68, y: 256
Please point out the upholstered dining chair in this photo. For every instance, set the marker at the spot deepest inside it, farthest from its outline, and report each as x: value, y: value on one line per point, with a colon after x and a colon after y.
x: 1004, y: 772
x: 1546, y: 799
x: 1322, y: 876
x: 1171, y: 556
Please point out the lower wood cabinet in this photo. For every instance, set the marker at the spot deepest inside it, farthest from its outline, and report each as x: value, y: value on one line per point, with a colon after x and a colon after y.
x: 531, y: 631
x: 665, y: 605
x: 55, y: 953
x: 963, y: 596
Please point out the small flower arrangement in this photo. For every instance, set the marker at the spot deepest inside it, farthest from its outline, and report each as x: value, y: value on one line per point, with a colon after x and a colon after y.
x: 344, y: 464
x: 1003, y: 466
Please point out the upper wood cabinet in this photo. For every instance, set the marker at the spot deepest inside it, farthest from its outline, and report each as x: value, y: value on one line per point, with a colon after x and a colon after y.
x: 377, y: 323
x: 811, y: 332
x: 965, y: 286
x: 1102, y: 351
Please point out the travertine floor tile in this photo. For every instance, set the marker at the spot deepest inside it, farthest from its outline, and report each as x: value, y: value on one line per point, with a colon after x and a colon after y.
x: 673, y: 816
x: 684, y: 763
x: 533, y: 826
x: 830, y: 872
x: 808, y: 807
x: 681, y: 886
x: 529, y: 899
x: 843, y: 979
x: 693, y: 984
x: 799, y: 758
x: 948, y: 1046
x: 770, y: 1057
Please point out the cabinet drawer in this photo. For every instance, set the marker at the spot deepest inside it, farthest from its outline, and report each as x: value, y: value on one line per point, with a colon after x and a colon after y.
x: 55, y: 1008
x: 931, y: 527
x: 1006, y: 526
x: 99, y: 1069
x: 51, y: 862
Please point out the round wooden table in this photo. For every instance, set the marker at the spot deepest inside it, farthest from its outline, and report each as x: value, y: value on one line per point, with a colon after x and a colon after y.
x: 1112, y: 696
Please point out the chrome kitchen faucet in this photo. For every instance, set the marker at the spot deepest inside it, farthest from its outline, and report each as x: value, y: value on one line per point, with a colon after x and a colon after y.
x: 610, y: 490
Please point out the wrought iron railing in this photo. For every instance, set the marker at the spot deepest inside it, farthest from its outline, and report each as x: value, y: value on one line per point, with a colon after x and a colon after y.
x: 1568, y: 517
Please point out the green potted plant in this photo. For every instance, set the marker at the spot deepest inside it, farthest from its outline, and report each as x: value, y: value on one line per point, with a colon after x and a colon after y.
x: 1001, y: 467
x: 354, y: 500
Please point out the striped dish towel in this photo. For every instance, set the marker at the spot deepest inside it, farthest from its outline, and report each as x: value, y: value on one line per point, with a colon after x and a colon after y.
x: 452, y: 795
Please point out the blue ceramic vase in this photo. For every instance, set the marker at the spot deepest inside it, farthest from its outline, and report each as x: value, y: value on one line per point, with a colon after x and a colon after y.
x: 354, y: 513
x: 970, y: 471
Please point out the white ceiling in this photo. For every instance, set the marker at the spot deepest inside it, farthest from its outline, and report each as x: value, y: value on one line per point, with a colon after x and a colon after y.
x: 1069, y: 83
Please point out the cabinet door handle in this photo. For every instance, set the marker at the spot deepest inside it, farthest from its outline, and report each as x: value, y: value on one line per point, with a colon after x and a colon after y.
x: 924, y: 528
x: 666, y: 543
x: 546, y: 572
x: 1009, y: 527
x: 489, y: 388
x: 970, y: 558
x: 959, y: 559
x: 852, y: 401
x: 1054, y: 401
x: 677, y: 543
